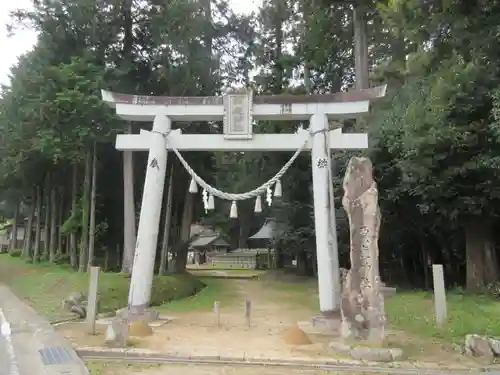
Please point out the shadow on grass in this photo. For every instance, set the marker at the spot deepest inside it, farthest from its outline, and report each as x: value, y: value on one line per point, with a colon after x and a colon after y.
x: 215, y: 290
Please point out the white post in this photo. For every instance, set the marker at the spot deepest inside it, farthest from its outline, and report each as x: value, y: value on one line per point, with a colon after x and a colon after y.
x: 333, y: 246
x: 217, y: 312
x: 439, y: 294
x: 149, y: 221
x: 128, y: 210
x: 92, y: 299
x: 328, y: 271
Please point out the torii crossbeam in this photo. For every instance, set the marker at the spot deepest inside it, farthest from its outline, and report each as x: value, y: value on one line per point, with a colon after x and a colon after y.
x: 238, y: 110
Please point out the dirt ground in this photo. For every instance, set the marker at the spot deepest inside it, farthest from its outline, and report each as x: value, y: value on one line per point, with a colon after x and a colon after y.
x: 197, y: 333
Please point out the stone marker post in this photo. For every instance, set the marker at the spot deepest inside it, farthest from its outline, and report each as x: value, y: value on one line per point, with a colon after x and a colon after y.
x: 92, y: 299
x: 439, y: 294
x: 248, y: 311
x: 217, y: 312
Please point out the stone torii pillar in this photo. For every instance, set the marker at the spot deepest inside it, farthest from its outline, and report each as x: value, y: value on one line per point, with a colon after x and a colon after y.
x: 238, y: 110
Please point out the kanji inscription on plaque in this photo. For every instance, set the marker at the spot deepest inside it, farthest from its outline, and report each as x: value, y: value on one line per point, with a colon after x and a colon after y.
x: 238, y: 115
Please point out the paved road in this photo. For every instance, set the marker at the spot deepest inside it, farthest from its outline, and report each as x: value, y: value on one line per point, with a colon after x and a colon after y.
x: 29, y: 334
x: 5, y: 366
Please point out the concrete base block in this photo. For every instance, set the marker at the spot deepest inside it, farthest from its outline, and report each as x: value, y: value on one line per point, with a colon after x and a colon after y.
x: 148, y: 315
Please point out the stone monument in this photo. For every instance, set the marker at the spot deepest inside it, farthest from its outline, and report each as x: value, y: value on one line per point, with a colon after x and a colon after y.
x: 362, y: 299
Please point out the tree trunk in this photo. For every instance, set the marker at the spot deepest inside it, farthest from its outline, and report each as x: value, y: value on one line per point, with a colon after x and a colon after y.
x: 491, y: 271
x: 360, y: 47
x: 72, y: 238
x: 92, y: 209
x: 129, y: 225
x: 280, y: 256
x: 301, y: 268
x: 187, y: 219
x: 28, y: 232
x: 46, y: 219
x: 53, y: 224
x: 60, y: 221
x: 38, y: 214
x: 13, y: 241
x: 245, y: 216
x: 314, y: 265
x: 166, y: 228
x: 106, y: 260
x: 481, y: 262
x: 84, y: 240
x: 308, y: 11
x: 425, y: 264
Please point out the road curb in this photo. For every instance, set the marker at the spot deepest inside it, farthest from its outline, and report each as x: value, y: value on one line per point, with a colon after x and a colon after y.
x: 101, y: 353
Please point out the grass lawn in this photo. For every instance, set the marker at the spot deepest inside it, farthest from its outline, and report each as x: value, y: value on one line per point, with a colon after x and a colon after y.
x: 413, y: 311
x: 303, y: 293
x: 44, y: 286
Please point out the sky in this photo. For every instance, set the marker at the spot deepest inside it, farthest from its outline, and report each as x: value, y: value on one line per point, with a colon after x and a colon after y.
x: 23, y: 40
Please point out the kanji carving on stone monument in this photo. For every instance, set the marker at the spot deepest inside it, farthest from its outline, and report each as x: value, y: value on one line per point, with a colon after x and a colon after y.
x: 362, y: 301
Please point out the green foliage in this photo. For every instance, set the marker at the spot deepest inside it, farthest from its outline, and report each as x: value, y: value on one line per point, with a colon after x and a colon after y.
x: 72, y: 224
x: 440, y: 130
x: 16, y: 253
x: 61, y: 259
x: 434, y: 140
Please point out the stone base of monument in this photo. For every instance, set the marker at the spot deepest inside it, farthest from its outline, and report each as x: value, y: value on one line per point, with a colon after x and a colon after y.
x: 326, y: 323
x: 365, y: 352
x: 325, y: 329
x: 149, y: 315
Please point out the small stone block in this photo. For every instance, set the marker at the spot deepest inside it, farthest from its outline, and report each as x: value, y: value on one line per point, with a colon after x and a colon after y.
x: 494, y: 345
x: 376, y: 354
x: 117, y: 334
x: 479, y: 346
x: 365, y: 353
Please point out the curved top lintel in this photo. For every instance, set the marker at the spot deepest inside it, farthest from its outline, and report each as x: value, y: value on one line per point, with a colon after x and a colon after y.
x: 113, y: 98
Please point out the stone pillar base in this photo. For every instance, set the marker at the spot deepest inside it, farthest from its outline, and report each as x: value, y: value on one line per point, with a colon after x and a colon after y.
x: 147, y: 314
x: 327, y: 321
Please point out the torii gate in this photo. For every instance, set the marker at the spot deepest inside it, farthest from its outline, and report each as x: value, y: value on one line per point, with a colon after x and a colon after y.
x: 238, y: 110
